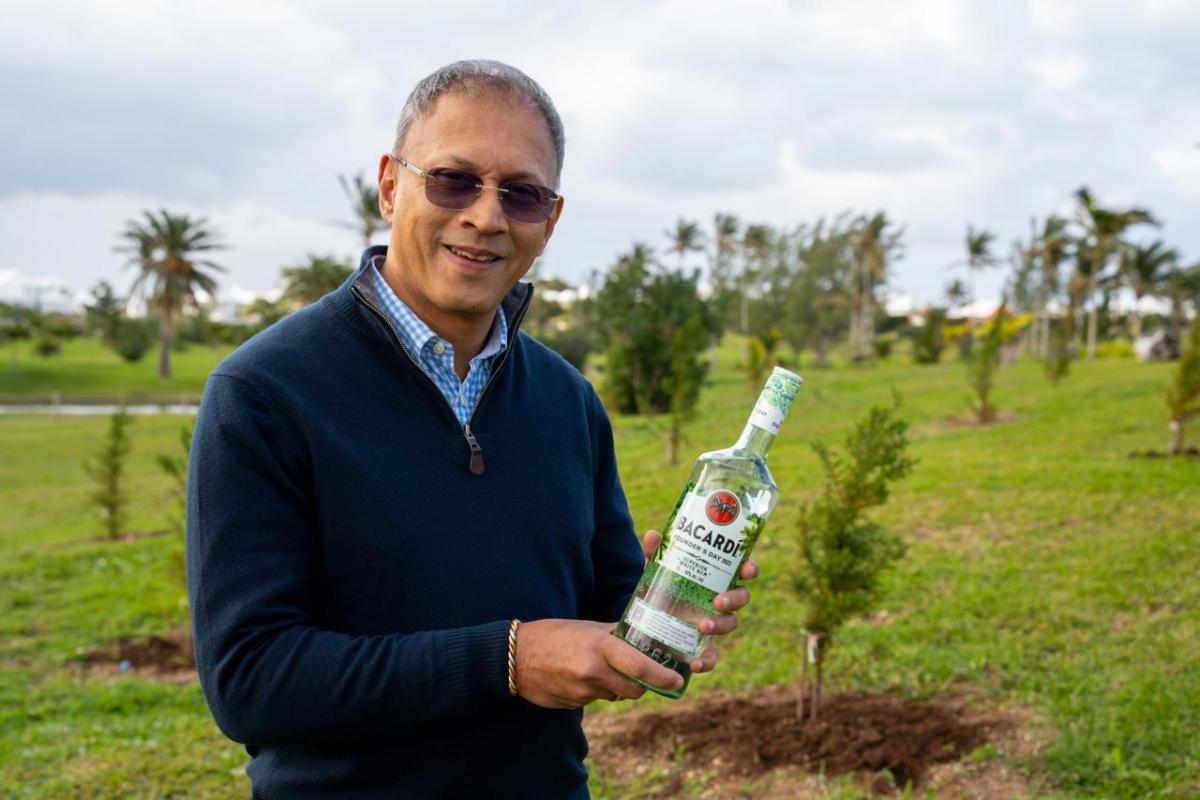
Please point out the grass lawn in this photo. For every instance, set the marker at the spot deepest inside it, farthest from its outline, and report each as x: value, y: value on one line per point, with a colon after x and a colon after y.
x: 87, y: 370
x: 1046, y: 570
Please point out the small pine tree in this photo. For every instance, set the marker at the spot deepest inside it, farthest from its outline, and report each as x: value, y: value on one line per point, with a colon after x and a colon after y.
x: 176, y: 466
x: 688, y: 368
x: 757, y: 363
x: 1183, y: 396
x: 842, y: 552
x: 927, y: 340
x: 1059, y: 351
x: 984, y: 360
x: 108, y: 470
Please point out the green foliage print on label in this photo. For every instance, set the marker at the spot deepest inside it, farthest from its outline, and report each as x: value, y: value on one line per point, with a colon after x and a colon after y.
x: 780, y: 391
x: 682, y: 591
x: 665, y: 544
x: 754, y: 527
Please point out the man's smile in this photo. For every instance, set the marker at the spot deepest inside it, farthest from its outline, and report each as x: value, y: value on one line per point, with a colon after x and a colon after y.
x: 473, y: 254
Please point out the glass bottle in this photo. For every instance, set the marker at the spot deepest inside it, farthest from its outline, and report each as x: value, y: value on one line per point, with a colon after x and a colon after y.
x: 716, y: 522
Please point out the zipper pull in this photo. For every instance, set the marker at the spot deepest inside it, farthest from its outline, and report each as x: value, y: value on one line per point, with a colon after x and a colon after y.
x: 476, y: 464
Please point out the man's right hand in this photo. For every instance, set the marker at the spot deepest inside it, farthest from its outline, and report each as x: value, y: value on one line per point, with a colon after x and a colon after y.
x: 566, y: 663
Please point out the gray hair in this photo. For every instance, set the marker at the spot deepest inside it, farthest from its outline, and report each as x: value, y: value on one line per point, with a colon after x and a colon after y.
x: 476, y: 75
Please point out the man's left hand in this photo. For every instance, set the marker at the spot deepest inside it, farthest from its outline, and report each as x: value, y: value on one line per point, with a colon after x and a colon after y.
x: 724, y: 604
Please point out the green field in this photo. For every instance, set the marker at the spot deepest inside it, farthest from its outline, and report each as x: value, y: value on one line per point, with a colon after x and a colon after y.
x: 1047, y: 571
x: 88, y: 370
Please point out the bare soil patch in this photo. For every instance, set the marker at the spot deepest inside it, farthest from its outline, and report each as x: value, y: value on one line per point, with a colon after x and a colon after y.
x: 968, y: 420
x: 755, y: 739
x: 1188, y: 452
x: 169, y: 658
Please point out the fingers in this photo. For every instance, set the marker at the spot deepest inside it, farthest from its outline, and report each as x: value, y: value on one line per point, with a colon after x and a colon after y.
x: 707, y: 659
x: 749, y: 570
x: 627, y: 660
x: 624, y: 689
x: 718, y: 626
x: 732, y: 600
x: 650, y: 543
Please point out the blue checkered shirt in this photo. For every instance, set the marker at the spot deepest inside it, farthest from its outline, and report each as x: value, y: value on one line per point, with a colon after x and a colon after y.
x: 436, y: 356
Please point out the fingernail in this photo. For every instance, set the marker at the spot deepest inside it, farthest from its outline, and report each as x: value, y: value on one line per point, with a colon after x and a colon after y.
x: 678, y: 682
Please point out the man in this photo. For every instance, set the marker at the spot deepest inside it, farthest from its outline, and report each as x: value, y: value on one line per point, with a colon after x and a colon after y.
x: 383, y: 483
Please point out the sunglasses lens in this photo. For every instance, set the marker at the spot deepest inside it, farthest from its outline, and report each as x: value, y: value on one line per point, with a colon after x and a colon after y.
x: 449, y: 188
x: 527, y: 202
x: 453, y: 189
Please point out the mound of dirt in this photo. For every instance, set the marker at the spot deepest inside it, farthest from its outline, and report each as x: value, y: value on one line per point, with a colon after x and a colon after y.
x: 1188, y: 452
x: 749, y: 735
x: 169, y: 657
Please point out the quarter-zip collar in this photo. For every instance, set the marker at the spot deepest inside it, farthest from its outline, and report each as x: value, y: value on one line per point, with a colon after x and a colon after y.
x: 361, y: 286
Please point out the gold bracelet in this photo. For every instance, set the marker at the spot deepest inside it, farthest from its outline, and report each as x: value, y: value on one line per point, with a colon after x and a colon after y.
x: 512, y: 656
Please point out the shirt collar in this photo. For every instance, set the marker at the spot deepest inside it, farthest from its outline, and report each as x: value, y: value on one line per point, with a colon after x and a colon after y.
x: 418, y: 336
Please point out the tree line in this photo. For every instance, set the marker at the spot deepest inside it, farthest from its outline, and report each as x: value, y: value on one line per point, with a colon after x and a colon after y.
x: 814, y: 286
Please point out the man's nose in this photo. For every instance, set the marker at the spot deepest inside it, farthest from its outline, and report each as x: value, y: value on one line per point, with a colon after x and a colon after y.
x: 485, y: 214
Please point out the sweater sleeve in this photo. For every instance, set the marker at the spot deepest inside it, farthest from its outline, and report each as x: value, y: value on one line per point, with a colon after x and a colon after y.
x: 270, y: 674
x: 617, y: 558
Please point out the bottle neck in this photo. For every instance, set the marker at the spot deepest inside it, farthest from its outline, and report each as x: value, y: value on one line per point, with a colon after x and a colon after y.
x: 755, y: 440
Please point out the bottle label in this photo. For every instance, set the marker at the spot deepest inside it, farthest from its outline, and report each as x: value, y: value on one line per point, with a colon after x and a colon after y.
x: 775, y: 400
x: 667, y: 629
x: 706, y: 539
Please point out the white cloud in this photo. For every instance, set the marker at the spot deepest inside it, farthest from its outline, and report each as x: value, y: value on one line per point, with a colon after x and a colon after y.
x: 941, y: 112
x: 1058, y: 71
x: 1180, y: 164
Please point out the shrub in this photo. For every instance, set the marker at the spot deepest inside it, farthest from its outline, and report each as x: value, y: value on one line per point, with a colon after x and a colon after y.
x: 108, y: 470
x: 1183, y: 396
x: 1115, y: 348
x: 176, y: 467
x: 638, y: 312
x: 1061, y: 351
x: 883, y: 347
x: 47, y: 346
x: 757, y: 362
x: 985, y: 358
x: 133, y: 340
x: 842, y: 552
x: 927, y: 339
x: 574, y: 344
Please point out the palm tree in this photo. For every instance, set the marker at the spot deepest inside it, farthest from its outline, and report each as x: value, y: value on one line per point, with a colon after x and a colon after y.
x: 364, y: 203
x: 163, y: 247
x: 726, y: 227
x: 979, y: 254
x: 1100, y: 240
x: 1146, y: 268
x: 1051, y: 246
x: 722, y: 277
x: 756, y: 245
x: 873, y: 247
x: 686, y: 238
x: 956, y: 293
x: 318, y: 276
x: 1181, y: 285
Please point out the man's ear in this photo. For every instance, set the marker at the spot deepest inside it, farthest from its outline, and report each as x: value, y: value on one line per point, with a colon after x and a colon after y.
x: 387, y: 187
x: 551, y: 222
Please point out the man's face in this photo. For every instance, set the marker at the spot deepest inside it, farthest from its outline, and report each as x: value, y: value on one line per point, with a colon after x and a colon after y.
x: 500, y: 139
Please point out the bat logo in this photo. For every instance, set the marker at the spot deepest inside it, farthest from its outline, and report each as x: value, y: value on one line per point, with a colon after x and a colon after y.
x: 721, y: 508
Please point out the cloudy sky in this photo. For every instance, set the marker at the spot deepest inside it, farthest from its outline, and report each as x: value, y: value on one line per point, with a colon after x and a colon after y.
x: 941, y: 113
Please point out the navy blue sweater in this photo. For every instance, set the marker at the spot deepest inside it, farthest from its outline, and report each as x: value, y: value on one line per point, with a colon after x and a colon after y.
x: 351, y: 580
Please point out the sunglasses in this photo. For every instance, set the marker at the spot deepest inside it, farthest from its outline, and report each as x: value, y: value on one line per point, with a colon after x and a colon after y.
x: 456, y: 190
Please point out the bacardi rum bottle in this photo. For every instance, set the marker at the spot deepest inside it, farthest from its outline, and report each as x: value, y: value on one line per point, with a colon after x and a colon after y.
x: 710, y: 533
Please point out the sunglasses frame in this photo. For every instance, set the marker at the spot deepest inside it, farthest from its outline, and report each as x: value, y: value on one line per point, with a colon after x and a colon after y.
x: 502, y: 190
